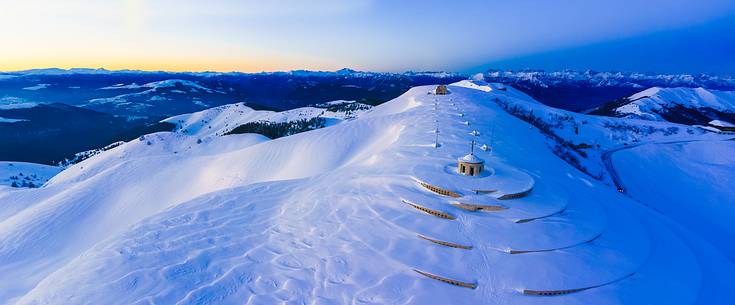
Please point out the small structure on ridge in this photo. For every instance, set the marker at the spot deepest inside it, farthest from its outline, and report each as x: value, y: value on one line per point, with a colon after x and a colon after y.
x: 470, y: 165
x: 441, y: 90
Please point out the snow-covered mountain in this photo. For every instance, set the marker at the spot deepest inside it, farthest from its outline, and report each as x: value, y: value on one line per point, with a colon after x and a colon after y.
x: 608, y: 79
x: 537, y: 77
x: 24, y: 174
x: 680, y: 105
x: 370, y: 210
x: 165, y: 97
x: 145, y: 97
x: 190, y: 86
x: 616, y: 150
x: 583, y: 90
x: 140, y: 99
x: 224, y: 119
x: 147, y: 89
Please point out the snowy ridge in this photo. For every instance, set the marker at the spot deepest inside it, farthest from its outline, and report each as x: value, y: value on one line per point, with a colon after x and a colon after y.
x: 7, y: 103
x: 59, y: 71
x: 8, y: 120
x: 192, y: 86
x: 584, y: 139
x: 321, y: 217
x: 37, y: 87
x: 167, y: 96
x: 536, y: 77
x: 24, y: 174
x: 223, y: 119
x: 304, y: 73
x: 651, y: 103
x: 608, y: 79
x: 150, y: 93
x: 81, y: 156
x: 721, y: 123
x: 474, y: 85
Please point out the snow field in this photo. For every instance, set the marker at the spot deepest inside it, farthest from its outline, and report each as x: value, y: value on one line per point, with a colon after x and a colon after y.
x: 318, y: 218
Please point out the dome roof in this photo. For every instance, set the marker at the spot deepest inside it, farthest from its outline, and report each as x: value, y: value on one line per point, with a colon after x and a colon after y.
x: 471, y: 158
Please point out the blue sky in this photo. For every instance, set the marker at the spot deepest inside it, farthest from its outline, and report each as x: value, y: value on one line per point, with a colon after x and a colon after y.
x: 703, y: 48
x: 466, y: 36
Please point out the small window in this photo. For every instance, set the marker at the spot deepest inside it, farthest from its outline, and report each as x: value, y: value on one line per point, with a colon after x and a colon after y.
x: 462, y: 169
x: 472, y: 171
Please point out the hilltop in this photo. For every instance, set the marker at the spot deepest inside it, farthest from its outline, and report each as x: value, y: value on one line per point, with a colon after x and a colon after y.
x: 369, y: 210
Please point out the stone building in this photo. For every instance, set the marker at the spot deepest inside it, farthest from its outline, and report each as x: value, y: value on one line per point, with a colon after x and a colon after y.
x: 441, y: 90
x: 470, y: 165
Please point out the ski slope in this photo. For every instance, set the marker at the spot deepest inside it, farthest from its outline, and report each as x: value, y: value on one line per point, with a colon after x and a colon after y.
x: 342, y: 215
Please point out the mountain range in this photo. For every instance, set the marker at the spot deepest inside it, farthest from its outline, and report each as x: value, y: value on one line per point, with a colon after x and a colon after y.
x: 690, y: 106
x: 120, y: 105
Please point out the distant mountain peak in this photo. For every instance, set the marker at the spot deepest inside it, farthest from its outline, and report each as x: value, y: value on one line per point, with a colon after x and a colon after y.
x: 691, y: 106
x: 345, y: 71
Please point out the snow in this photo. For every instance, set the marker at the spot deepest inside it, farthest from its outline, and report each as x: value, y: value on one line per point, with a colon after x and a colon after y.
x: 7, y: 103
x: 144, y: 100
x: 645, y: 93
x: 169, y: 83
x: 223, y: 119
x: 641, y: 111
x: 649, y: 103
x: 547, y: 79
x: 16, y: 105
x: 38, y: 174
x: 721, y: 123
x: 539, y: 78
x: 122, y: 86
x: 58, y: 71
x: 588, y: 139
x: 319, y: 217
x: 708, y: 128
x: 691, y: 182
x: 7, y: 120
x: 474, y: 84
x: 471, y: 158
x: 337, y: 102
x: 37, y: 87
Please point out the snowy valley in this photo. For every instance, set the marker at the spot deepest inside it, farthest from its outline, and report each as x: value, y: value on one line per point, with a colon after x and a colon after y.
x: 367, y: 207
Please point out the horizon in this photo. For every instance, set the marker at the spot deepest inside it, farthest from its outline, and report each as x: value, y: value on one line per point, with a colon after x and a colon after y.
x: 249, y: 37
x: 459, y: 73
